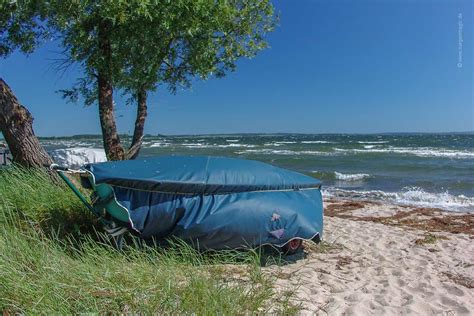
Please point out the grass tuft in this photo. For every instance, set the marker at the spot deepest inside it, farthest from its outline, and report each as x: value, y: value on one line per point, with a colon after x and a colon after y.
x: 429, y: 239
x: 30, y: 195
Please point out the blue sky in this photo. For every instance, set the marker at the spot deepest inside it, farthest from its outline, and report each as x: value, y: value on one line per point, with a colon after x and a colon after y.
x: 332, y: 67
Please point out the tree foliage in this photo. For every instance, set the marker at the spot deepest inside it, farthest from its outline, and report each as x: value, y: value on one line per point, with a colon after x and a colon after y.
x: 160, y: 42
x: 22, y: 25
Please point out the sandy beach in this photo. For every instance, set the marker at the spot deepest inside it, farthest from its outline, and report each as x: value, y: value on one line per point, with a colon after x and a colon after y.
x: 385, y: 259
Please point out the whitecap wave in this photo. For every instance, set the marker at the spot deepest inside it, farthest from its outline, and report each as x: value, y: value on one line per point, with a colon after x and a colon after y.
x: 420, y: 152
x: 269, y: 151
x: 351, y: 177
x: 230, y: 145
x: 278, y: 152
x: 409, y: 196
x: 235, y: 145
x: 273, y: 144
x: 78, y: 156
x: 278, y: 144
x: 373, y: 142
x: 315, y: 153
x: 196, y: 145
x: 157, y: 144
x: 316, y: 142
x: 67, y: 143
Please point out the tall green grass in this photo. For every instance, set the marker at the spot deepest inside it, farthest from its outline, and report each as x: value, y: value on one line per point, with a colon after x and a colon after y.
x: 31, y: 195
x: 51, y: 261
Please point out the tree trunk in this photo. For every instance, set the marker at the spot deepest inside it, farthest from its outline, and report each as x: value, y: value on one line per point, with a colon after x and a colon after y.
x: 16, y: 125
x: 112, y: 146
x: 139, y: 124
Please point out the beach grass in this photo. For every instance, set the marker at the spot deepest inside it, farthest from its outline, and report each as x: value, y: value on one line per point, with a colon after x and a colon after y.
x: 53, y: 260
x: 31, y: 196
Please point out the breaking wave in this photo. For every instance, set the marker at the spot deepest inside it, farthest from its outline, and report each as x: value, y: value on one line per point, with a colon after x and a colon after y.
x: 373, y: 142
x: 196, y: 145
x: 78, y: 156
x: 156, y: 144
x: 279, y: 143
x: 331, y: 176
x: 420, y: 152
x: 316, y: 142
x: 351, y: 177
x: 268, y: 151
x: 234, y: 145
x: 409, y: 196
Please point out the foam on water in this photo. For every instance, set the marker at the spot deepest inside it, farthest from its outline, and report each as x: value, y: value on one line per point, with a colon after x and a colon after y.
x: 204, y: 145
x: 268, y: 151
x: 273, y: 144
x: 157, y: 144
x: 372, y: 142
x: 315, y: 153
x: 234, y: 145
x: 316, y: 142
x: 196, y: 145
x: 77, y: 157
x: 279, y: 143
x: 67, y: 143
x: 351, y: 177
x: 409, y: 196
x: 420, y: 152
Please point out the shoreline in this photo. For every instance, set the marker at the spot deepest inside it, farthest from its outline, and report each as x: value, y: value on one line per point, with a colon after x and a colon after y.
x: 401, y: 214
x: 414, y: 197
x: 378, y: 257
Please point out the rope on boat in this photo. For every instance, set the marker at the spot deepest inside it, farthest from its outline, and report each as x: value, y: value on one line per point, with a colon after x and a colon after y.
x: 57, y: 167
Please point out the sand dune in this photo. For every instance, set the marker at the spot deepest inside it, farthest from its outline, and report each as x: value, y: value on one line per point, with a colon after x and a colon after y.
x: 364, y: 267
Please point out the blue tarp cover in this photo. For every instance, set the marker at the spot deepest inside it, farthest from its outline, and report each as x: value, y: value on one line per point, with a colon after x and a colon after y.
x: 214, y: 202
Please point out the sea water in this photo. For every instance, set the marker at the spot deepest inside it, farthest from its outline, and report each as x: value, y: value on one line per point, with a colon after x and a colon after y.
x: 430, y: 170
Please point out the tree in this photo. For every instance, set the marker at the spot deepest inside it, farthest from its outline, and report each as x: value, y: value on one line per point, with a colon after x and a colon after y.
x: 20, y: 28
x: 16, y: 124
x: 136, y: 46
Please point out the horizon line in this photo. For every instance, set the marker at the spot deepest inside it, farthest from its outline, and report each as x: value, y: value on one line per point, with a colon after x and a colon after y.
x: 269, y: 134
x: 261, y: 134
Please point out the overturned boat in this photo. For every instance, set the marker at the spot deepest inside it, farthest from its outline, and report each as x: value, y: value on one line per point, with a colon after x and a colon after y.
x: 209, y: 202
